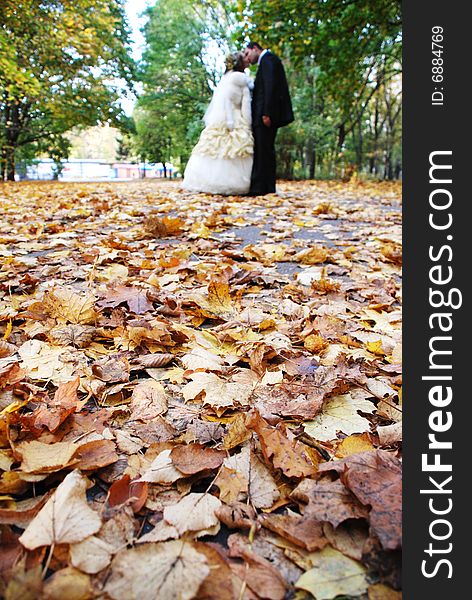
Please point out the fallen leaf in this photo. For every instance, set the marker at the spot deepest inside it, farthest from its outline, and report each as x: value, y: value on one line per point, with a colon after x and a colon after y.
x: 125, y: 491
x: 333, y: 574
x: 194, y: 458
x: 172, y: 570
x: 162, y: 470
x: 201, y: 358
x: 193, y: 513
x: 339, y: 414
x: 261, y: 488
x: 380, y: 591
x: 24, y: 584
x: 149, y: 400
x: 353, y: 444
x: 219, y: 394
x: 288, y: 455
x: 260, y: 575
x: 95, y: 455
x: 67, y: 306
x: 304, y: 531
x: 135, y: 298
x: 68, y: 583
x: 92, y: 555
x: 329, y: 501
x: 349, y: 537
x: 375, y: 479
x: 390, y: 434
x: 65, y: 519
x: 38, y: 457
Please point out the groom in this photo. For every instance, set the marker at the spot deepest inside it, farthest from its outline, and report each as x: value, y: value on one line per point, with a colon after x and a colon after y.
x: 271, y: 109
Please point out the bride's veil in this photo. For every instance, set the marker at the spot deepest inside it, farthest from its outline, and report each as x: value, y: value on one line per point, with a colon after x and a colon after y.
x: 216, y: 111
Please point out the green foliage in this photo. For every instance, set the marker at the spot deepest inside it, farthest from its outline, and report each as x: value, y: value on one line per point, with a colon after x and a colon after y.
x: 342, y: 57
x: 57, y: 70
x: 186, y: 42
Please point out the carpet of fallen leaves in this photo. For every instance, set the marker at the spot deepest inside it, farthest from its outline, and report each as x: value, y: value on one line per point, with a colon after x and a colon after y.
x: 200, y: 396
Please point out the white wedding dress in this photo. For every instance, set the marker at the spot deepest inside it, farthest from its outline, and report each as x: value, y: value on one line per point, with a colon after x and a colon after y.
x: 221, y: 162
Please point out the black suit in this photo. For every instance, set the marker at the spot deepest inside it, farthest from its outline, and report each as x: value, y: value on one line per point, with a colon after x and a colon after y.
x: 271, y: 98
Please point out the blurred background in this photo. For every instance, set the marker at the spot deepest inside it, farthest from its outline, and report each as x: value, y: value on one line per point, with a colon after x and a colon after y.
x: 115, y: 89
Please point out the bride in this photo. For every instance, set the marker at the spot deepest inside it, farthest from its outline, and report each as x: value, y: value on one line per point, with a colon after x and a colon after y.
x: 221, y: 162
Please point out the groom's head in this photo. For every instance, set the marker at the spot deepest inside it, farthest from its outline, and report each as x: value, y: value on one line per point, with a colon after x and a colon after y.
x: 252, y: 52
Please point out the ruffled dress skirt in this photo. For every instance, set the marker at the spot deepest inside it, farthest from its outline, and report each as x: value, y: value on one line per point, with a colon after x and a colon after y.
x: 221, y: 162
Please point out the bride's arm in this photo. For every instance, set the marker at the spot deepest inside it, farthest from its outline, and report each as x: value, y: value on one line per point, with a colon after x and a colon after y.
x: 246, y: 106
x: 229, y: 114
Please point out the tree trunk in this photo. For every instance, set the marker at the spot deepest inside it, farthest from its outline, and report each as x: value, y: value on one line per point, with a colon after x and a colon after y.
x: 310, y: 158
x: 3, y: 164
x: 10, y: 162
x: 12, y: 134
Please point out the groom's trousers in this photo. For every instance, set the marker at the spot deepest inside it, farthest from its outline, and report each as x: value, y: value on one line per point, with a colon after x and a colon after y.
x: 263, y: 168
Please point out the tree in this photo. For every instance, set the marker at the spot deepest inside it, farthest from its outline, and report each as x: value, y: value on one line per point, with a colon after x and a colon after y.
x: 350, y: 49
x: 62, y: 64
x: 185, y: 45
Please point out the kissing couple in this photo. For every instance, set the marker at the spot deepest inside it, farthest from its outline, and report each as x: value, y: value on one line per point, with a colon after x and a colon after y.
x: 235, y: 154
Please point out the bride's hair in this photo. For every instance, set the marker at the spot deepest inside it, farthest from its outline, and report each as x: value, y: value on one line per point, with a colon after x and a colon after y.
x: 234, y: 62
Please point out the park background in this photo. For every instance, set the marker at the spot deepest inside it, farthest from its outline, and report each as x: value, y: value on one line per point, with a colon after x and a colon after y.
x: 129, y: 82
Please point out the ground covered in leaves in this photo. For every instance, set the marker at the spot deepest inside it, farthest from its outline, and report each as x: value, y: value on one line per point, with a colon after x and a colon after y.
x: 200, y: 395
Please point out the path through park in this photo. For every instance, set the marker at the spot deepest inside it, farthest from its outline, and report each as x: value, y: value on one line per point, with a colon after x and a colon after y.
x: 200, y: 395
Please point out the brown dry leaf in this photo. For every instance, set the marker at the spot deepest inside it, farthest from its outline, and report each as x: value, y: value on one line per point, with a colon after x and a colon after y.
x: 162, y: 470
x: 66, y: 518
x: 267, y: 254
x: 23, y: 511
x: 328, y: 501
x: 232, y: 483
x: 339, y: 413
x: 333, y: 574
x: 375, y: 478
x: 37, y: 457
x: 218, y: 585
x: 45, y: 362
x: 218, y: 301
x: 95, y: 455
x: 112, y: 369
x: 262, y: 489
x: 53, y: 414
x: 194, y: 458
x: 76, y: 335
x: 171, y: 570
x: 238, y: 516
x: 380, y: 591
x: 390, y: 434
x: 353, y: 444
x: 193, y: 513
x: 68, y: 583
x: 315, y: 343
x: 237, y: 433
x: 288, y: 455
x: 149, y: 400
x: 219, y: 394
x: 260, y: 575
x: 163, y: 227
x: 125, y: 491
x: 67, y: 306
x: 312, y: 256
x: 24, y: 584
x: 304, y: 531
x: 92, y: 555
x: 349, y: 538
x: 136, y: 299
x: 7, y: 349
x: 201, y: 358
x: 152, y: 361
